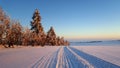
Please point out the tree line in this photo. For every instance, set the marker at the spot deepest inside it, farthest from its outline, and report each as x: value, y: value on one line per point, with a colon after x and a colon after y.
x: 12, y: 33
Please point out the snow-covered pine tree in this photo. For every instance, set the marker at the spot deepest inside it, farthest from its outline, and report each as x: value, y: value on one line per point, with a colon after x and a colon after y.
x: 51, y: 37
x: 37, y: 28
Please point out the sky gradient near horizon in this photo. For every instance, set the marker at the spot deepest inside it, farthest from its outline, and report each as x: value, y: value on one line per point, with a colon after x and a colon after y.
x: 73, y: 19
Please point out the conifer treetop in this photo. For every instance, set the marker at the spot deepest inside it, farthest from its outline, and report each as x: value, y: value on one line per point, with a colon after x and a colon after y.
x: 36, y: 22
x: 51, y: 32
x: 36, y: 11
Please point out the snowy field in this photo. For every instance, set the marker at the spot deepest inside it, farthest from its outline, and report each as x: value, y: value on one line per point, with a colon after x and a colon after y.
x: 61, y: 57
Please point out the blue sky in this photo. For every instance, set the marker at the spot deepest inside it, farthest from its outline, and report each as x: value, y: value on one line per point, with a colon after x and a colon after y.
x: 73, y: 19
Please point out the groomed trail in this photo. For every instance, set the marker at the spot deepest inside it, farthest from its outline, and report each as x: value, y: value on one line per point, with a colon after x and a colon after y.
x: 51, y: 57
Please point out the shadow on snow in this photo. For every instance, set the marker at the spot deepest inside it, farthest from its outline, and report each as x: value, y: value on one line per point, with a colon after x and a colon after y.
x: 96, y: 62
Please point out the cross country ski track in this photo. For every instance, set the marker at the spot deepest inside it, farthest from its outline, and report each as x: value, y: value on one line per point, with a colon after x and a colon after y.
x: 69, y: 57
x: 51, y: 57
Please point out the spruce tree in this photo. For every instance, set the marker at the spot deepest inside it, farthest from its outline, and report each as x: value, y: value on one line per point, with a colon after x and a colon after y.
x: 51, y: 37
x: 36, y: 23
x: 37, y: 28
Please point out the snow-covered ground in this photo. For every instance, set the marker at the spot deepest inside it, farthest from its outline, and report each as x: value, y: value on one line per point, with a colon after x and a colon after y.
x: 107, y: 53
x: 61, y: 57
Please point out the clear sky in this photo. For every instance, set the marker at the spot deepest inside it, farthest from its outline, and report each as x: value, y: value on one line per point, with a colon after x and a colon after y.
x: 73, y: 19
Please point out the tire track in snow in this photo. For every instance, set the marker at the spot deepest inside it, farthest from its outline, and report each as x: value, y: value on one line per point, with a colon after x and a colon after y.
x: 83, y: 61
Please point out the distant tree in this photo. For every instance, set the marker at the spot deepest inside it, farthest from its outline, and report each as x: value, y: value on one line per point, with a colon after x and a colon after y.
x: 51, y: 37
x: 58, y: 41
x: 36, y: 23
x: 66, y: 43
x: 26, y: 36
x: 32, y: 40
x: 14, y: 36
x: 37, y: 29
x: 4, y: 26
x: 62, y: 40
x: 1, y: 33
x: 2, y: 15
